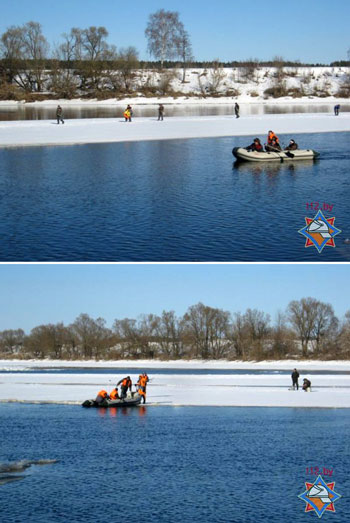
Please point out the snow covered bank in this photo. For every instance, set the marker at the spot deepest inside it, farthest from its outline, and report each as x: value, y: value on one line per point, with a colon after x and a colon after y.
x: 265, y: 390
x: 104, y: 130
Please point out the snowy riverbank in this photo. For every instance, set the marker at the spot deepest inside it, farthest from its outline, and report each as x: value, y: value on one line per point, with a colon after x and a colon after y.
x: 172, y: 388
x: 105, y: 130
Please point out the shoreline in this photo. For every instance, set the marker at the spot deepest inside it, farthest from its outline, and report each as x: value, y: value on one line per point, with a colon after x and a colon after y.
x: 28, y: 133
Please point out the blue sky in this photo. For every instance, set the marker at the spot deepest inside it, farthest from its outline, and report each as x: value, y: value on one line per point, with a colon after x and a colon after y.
x: 37, y: 294
x: 311, y: 30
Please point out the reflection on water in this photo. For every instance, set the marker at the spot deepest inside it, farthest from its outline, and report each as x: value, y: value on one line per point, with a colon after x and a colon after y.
x: 30, y: 112
x: 273, y: 167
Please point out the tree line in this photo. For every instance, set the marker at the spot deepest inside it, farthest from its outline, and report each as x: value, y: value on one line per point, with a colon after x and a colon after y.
x: 308, y: 328
x: 85, y: 64
x: 85, y: 61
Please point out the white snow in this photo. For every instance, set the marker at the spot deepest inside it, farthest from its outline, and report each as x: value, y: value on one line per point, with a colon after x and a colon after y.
x: 103, y: 130
x: 265, y: 390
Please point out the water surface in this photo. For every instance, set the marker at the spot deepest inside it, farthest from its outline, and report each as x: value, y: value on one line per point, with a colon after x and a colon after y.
x: 172, y: 200
x: 189, y: 464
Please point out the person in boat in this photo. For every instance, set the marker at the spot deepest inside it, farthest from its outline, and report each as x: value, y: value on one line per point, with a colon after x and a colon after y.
x: 125, y: 384
x: 306, y: 385
x: 295, y: 377
x: 114, y: 395
x: 101, y: 396
x: 255, y: 146
x: 292, y: 146
x: 273, y: 142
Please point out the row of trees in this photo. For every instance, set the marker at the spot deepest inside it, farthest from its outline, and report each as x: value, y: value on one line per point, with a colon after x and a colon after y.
x: 307, y: 329
x: 84, y: 61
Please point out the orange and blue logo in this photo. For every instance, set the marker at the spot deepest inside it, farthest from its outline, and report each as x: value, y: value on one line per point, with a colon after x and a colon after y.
x: 319, y: 231
x: 319, y: 496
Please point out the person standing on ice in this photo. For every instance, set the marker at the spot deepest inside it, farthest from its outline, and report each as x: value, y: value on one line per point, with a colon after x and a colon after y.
x: 237, y: 110
x: 295, y: 377
x: 59, y: 114
x: 336, y: 109
x: 160, y: 112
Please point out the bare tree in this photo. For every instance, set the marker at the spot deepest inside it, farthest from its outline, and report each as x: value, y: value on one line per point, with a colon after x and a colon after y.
x: 162, y: 32
x: 11, y: 341
x: 207, y: 330
x: 25, y: 49
x: 184, y: 49
x: 169, y: 334
x: 92, y: 337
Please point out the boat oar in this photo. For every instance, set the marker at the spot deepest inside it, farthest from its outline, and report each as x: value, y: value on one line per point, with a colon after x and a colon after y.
x: 274, y: 149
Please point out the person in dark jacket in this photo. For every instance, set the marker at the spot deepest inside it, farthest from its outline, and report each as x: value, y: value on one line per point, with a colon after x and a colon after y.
x: 336, y: 109
x: 237, y: 110
x: 125, y: 384
x: 160, y: 112
x: 255, y: 146
x: 292, y: 146
x: 295, y: 377
x: 306, y: 385
x: 59, y: 114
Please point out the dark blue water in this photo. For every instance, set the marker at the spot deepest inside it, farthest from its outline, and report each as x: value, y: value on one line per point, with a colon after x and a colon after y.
x: 171, y: 464
x: 168, y: 370
x: 174, y: 200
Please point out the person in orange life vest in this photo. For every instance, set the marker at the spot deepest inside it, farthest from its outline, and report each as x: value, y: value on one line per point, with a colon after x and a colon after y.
x: 272, y: 142
x: 255, y: 146
x: 126, y: 384
x: 114, y: 395
x: 142, y: 384
x: 101, y: 396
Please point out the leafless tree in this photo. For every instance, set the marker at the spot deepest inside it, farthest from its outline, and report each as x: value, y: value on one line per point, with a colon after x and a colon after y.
x: 11, y: 341
x: 207, y: 330
x: 92, y: 336
x: 184, y: 49
x: 162, y: 32
x: 169, y: 334
x: 25, y: 49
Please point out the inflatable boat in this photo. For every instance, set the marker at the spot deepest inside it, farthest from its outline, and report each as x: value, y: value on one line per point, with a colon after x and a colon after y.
x: 253, y: 156
x: 132, y: 401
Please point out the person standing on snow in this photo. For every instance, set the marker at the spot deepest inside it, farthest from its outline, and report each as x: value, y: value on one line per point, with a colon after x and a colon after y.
x: 237, y: 110
x: 336, y: 109
x: 295, y: 377
x: 59, y: 114
x: 160, y: 112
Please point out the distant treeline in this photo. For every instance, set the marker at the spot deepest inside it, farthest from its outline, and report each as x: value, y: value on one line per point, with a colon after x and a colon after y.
x: 85, y: 64
x: 308, y: 328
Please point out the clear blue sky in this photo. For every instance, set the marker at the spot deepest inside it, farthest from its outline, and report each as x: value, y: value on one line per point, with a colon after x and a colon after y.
x: 35, y: 294
x: 311, y: 30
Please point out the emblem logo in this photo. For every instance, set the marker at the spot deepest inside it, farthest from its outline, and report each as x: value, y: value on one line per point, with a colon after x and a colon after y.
x: 319, y: 231
x: 319, y: 496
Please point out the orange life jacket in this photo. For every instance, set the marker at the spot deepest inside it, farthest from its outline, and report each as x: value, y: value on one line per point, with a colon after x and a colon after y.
x: 126, y: 382
x: 114, y: 395
x: 142, y: 392
x: 127, y: 113
x: 103, y: 394
x: 143, y: 381
x: 271, y: 137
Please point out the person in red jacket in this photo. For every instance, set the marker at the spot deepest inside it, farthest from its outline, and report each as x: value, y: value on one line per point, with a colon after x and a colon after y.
x: 126, y: 384
x: 255, y: 146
